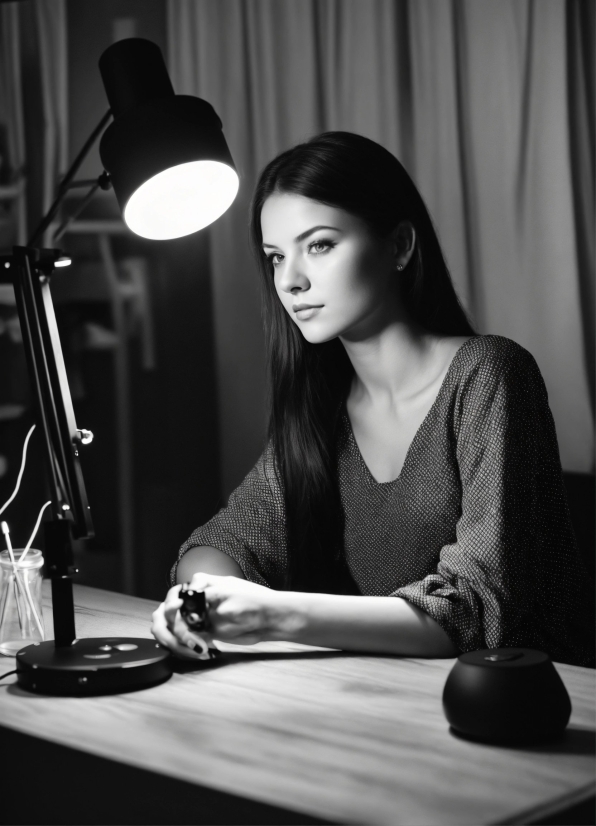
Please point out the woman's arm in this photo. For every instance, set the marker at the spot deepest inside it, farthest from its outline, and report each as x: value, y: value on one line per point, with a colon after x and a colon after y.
x: 207, y: 560
x: 250, y: 530
x: 384, y: 625
x: 245, y: 613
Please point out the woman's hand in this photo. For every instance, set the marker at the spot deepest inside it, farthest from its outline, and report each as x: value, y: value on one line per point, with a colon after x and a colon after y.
x: 170, y: 630
x: 239, y: 611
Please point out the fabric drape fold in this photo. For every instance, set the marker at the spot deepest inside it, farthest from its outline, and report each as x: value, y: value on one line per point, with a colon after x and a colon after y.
x: 13, y: 209
x: 581, y: 77
x: 11, y: 105
x: 53, y: 57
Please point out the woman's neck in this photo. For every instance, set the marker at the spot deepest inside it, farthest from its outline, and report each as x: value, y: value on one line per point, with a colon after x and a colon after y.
x: 395, y: 364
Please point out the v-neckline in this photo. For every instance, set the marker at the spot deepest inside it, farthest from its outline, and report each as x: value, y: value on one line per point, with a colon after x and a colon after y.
x: 430, y: 411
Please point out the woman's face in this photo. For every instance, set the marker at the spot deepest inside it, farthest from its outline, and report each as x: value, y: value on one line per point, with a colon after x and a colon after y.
x: 333, y: 276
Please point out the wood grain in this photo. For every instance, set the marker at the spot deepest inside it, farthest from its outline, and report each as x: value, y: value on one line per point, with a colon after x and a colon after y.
x: 347, y: 737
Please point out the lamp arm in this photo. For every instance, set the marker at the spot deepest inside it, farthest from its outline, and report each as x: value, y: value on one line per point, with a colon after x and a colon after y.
x: 103, y: 181
x: 29, y: 270
x: 65, y: 183
x: 30, y: 278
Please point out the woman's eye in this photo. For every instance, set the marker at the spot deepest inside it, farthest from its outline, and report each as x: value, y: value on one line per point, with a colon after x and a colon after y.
x: 321, y: 246
x: 315, y: 248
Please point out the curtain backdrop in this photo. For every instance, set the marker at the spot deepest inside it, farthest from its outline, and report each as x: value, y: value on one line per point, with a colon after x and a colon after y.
x: 53, y: 59
x: 33, y: 62
x: 13, y: 208
x: 11, y: 104
x: 490, y: 106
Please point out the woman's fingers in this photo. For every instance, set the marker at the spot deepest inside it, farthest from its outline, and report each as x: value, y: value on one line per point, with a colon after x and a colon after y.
x: 164, y: 635
x: 236, y: 610
x: 190, y: 637
x: 170, y: 630
x: 201, y: 581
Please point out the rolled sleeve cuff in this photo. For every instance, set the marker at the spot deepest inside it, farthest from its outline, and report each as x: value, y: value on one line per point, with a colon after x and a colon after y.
x: 457, y: 613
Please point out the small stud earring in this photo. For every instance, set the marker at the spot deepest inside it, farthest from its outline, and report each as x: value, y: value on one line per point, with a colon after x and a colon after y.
x: 399, y: 267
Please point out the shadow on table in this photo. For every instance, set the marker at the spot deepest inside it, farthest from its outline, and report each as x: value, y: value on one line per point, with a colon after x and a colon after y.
x: 227, y: 658
x: 73, y: 788
x: 574, y: 740
x: 234, y: 658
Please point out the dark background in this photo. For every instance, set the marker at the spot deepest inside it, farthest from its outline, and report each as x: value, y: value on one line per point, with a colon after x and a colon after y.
x: 176, y: 478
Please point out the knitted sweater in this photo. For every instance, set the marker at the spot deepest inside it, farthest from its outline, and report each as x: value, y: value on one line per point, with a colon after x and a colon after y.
x: 475, y: 530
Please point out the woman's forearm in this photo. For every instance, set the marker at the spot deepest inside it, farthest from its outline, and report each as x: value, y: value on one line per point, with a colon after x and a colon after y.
x: 388, y: 625
x: 383, y: 625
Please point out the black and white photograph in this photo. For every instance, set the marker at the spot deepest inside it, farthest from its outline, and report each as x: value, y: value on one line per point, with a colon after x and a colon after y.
x: 297, y: 395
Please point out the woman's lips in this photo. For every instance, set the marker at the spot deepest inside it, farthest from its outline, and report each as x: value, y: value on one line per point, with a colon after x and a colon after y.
x: 306, y: 312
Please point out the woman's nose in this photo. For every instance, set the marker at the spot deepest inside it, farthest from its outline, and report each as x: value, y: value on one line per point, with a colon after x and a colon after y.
x: 292, y: 279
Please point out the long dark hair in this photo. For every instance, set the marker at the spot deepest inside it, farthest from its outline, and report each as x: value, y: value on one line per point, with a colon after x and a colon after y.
x: 308, y: 381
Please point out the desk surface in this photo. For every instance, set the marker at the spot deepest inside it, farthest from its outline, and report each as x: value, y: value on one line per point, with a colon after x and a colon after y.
x: 344, y: 737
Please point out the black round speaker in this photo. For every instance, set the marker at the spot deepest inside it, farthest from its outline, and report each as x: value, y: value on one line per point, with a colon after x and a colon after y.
x: 506, y: 695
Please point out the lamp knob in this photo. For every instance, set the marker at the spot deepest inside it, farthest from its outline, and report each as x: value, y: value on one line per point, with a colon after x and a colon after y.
x: 85, y: 437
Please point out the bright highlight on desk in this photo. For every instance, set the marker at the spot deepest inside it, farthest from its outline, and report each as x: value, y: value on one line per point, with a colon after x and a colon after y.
x: 168, y: 162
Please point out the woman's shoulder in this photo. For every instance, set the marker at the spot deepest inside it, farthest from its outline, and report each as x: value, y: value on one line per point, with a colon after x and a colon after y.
x: 493, y: 356
x: 493, y: 348
x: 490, y: 367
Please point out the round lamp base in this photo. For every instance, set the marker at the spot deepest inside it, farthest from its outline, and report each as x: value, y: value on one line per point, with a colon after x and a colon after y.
x: 97, y: 665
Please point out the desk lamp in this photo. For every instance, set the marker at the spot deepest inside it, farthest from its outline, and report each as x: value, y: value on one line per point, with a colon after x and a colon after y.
x: 166, y: 157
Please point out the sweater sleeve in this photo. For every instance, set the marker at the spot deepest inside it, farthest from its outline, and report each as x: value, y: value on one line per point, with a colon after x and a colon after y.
x: 251, y: 528
x: 512, y: 574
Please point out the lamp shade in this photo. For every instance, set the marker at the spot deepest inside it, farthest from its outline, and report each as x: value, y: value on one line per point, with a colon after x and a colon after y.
x: 167, y: 156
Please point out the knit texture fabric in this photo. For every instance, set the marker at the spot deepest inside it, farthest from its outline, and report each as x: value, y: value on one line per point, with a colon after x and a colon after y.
x: 475, y: 530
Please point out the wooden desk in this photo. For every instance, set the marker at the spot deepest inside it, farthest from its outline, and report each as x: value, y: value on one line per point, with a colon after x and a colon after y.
x: 276, y: 733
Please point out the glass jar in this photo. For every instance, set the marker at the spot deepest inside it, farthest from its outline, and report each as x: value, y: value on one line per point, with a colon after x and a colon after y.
x: 21, y: 614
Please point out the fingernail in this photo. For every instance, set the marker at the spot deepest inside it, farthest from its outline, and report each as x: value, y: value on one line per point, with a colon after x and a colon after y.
x: 197, y: 649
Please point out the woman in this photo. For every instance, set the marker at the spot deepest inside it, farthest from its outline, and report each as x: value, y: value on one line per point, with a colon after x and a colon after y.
x: 410, y: 498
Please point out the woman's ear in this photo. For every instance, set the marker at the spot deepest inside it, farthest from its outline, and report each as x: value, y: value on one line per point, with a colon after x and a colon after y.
x: 404, y: 243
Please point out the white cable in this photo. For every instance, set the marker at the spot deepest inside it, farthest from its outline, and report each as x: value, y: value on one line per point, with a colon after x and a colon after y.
x: 6, y: 533
x: 17, y: 582
x: 20, y: 476
x: 35, y: 529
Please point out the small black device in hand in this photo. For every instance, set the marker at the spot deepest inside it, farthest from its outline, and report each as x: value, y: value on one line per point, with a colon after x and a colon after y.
x: 194, y: 609
x: 195, y: 614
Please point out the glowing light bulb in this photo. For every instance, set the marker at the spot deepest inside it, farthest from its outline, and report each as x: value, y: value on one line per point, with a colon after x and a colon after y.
x: 181, y: 200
